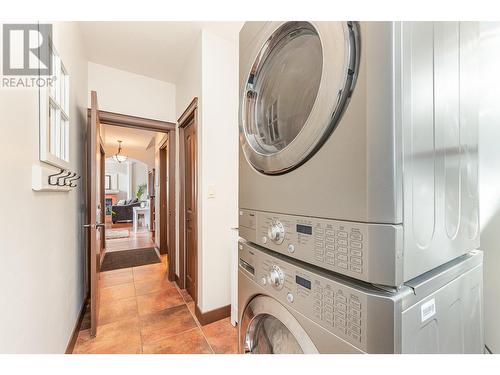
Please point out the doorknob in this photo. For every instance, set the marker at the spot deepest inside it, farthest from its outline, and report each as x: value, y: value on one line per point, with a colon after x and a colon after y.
x: 98, y: 225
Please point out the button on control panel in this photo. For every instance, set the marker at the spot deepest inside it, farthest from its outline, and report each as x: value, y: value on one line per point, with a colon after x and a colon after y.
x: 340, y: 309
x: 335, y: 245
x: 327, y: 300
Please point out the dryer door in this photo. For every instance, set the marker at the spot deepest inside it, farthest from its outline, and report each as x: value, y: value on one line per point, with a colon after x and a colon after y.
x: 267, y: 327
x: 295, y: 90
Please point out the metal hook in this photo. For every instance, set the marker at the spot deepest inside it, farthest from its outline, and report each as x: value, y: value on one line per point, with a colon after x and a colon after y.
x: 71, y: 180
x: 61, y: 171
x: 64, y: 178
x: 67, y: 180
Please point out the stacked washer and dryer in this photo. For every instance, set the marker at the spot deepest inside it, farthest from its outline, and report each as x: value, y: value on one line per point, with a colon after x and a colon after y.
x: 358, y: 190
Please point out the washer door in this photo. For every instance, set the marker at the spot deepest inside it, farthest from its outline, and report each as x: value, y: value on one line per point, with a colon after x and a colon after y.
x: 267, y: 327
x: 296, y: 91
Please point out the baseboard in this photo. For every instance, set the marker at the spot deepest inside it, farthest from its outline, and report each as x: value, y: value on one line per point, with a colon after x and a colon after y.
x: 76, y: 329
x: 213, y: 315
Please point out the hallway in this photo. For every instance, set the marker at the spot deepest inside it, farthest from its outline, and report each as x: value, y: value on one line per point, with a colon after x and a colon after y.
x: 142, y: 312
x: 133, y: 240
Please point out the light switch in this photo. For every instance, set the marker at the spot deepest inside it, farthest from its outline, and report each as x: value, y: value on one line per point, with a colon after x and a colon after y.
x: 211, y: 191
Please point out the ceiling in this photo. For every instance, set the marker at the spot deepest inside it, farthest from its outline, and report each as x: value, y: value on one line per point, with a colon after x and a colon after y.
x: 132, y: 138
x: 153, y: 49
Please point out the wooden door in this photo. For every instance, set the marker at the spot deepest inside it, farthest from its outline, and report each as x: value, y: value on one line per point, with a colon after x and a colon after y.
x: 96, y: 209
x: 163, y: 202
x: 152, y: 212
x: 190, y: 208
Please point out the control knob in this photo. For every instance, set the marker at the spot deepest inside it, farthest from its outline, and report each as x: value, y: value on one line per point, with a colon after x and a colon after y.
x: 276, y: 278
x: 276, y: 232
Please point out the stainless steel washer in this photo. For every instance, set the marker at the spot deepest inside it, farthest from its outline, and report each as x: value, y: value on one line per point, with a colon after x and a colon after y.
x: 359, y: 144
x: 289, y: 307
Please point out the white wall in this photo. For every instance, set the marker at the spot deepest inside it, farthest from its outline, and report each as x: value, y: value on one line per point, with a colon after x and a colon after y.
x: 131, y: 94
x: 139, y: 176
x: 42, y: 243
x: 219, y: 172
x: 120, y: 170
x: 211, y: 74
x: 489, y: 174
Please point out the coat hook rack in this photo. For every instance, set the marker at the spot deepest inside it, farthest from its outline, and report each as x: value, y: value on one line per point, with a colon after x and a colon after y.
x: 46, y: 178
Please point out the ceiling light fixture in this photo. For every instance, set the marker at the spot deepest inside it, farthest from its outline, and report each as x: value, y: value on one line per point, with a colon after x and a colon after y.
x: 118, y: 156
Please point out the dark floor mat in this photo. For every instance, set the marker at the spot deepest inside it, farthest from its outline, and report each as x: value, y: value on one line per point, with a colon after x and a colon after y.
x: 129, y: 258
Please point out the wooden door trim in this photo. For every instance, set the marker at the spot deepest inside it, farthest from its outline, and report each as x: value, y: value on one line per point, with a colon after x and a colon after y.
x: 95, y: 146
x: 167, y: 206
x: 129, y: 121
x: 190, y: 113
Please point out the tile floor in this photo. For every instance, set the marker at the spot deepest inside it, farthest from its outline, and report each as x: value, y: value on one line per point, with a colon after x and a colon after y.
x: 142, y: 312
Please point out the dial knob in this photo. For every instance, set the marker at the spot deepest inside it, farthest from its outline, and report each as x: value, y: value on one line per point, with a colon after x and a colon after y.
x: 276, y: 232
x: 276, y: 277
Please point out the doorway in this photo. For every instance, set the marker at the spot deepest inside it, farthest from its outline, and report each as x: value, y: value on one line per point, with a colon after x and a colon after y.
x: 188, y: 220
x: 100, y: 185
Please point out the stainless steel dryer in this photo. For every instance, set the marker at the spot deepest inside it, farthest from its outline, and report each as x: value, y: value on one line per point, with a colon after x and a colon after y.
x: 290, y: 307
x: 359, y: 144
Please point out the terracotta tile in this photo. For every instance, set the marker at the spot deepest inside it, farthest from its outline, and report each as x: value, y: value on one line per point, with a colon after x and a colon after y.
x: 150, y: 272
x: 120, y: 270
x: 112, y: 311
x: 190, y: 342
x: 153, y: 302
x: 119, y: 337
x: 165, y: 323
x: 222, y: 336
x: 150, y: 286
x: 117, y: 292
x: 111, y: 278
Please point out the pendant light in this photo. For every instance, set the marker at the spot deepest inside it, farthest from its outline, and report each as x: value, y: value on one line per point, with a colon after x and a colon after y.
x: 118, y: 156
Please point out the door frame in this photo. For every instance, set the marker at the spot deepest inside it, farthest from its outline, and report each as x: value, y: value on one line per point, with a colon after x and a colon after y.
x: 167, y: 200
x: 189, y: 114
x: 129, y: 121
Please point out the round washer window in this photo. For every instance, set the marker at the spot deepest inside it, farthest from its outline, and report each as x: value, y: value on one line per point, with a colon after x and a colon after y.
x: 270, y: 336
x: 282, y: 87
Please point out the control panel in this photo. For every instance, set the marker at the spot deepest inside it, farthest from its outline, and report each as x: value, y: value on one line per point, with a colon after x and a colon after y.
x: 338, y: 308
x: 340, y: 246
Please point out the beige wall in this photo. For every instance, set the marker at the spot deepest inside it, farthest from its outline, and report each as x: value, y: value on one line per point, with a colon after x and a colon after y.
x: 132, y: 94
x: 489, y: 174
x: 42, y: 243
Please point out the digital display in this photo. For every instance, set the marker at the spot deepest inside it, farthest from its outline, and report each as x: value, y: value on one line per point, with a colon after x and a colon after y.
x: 301, y: 281
x: 304, y: 229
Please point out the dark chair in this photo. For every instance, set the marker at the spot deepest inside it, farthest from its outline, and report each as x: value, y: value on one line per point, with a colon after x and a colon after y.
x: 124, y: 212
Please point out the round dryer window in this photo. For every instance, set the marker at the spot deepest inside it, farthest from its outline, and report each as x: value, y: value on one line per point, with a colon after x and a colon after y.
x: 295, y: 92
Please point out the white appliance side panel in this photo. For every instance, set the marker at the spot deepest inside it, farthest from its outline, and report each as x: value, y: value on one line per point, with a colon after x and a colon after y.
x: 448, y: 321
x: 440, y: 126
